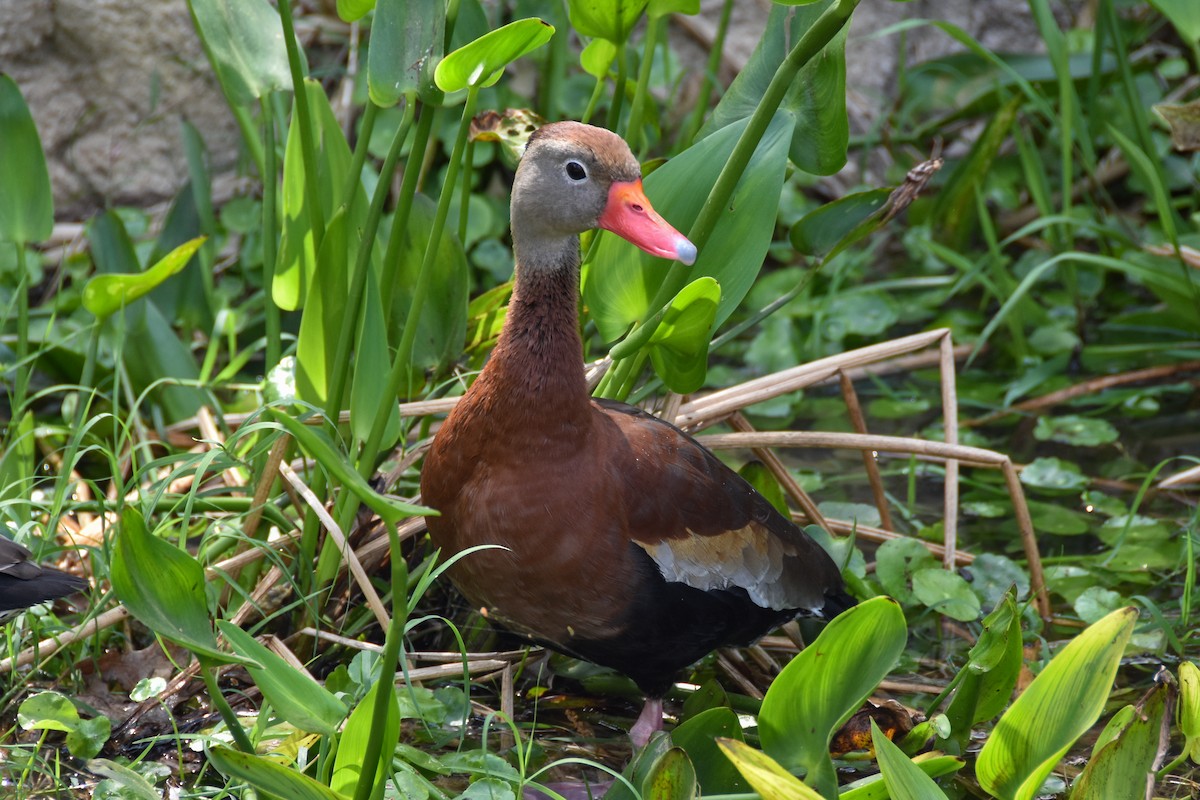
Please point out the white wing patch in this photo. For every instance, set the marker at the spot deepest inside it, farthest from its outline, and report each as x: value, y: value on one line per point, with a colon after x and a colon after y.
x: 747, y: 558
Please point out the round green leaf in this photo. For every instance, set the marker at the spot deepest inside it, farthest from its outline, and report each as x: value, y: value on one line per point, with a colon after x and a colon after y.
x: 1053, y: 475
x: 605, y: 19
x: 597, y: 57
x: 947, y: 593
x: 481, y: 63
x: 1075, y: 430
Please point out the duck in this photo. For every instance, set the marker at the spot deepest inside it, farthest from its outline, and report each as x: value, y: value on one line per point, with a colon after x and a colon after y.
x: 615, y: 537
x: 25, y: 583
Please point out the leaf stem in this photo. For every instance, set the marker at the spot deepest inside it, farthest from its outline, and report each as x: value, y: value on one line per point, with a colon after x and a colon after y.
x: 222, y: 705
x: 270, y: 230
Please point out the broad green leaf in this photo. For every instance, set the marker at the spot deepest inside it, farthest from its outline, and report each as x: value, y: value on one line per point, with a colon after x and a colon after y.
x: 816, y: 99
x: 105, y: 294
x: 1189, y: 700
x: 270, y: 776
x: 946, y: 593
x: 621, y: 280
x: 597, y: 58
x: 1121, y: 766
x: 26, y: 203
x: 836, y: 225
x: 47, y: 711
x: 605, y: 19
x: 317, y: 446
x: 348, y: 765
x: 671, y: 778
x: 896, y: 561
x: 292, y: 694
x: 769, y: 779
x: 406, y: 44
x: 131, y: 783
x: 481, y: 63
x: 297, y: 254
x: 1075, y: 430
x: 324, y: 311
x: 352, y: 10
x: 904, y: 779
x: 244, y: 38
x: 443, y: 323
x: 933, y: 764
x: 990, y: 675
x: 1061, y: 704
x: 372, y: 362
x: 1054, y: 474
x: 660, y: 8
x: 679, y: 345
x: 698, y: 738
x: 827, y: 682
x: 164, y: 588
x: 1184, y: 15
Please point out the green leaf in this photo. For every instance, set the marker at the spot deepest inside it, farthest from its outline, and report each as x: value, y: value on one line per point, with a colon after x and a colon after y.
x: 352, y: 10
x: 372, y: 361
x: 672, y: 777
x: 1061, y: 704
x: 406, y: 44
x: 597, y: 58
x: 324, y: 311
x: 933, y: 764
x: 294, y: 695
x: 621, y: 281
x: 1189, y: 700
x: 163, y: 587
x: 1121, y: 766
x: 47, y: 711
x: 679, y: 345
x: 991, y: 672
x: 769, y: 779
x: 1075, y: 430
x: 904, y: 779
x: 698, y: 737
x: 837, y: 225
x: 896, y: 561
x: 26, y: 202
x: 660, y: 8
x: 317, y: 446
x: 131, y: 783
x: 826, y: 683
x: 605, y: 19
x: 348, y: 765
x: 946, y: 593
x: 481, y: 63
x: 89, y: 737
x: 1184, y: 15
x: 816, y: 99
x: 1096, y: 603
x: 105, y: 294
x: 18, y: 461
x: 1053, y: 474
x: 269, y: 776
x: 245, y: 42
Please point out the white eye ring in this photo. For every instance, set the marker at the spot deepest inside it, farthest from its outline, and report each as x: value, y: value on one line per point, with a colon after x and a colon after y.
x: 575, y: 171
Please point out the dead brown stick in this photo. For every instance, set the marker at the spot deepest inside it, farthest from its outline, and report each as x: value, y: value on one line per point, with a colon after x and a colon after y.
x: 790, y: 485
x: 859, y: 422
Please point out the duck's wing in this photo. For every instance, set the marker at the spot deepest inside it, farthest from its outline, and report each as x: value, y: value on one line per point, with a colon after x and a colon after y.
x: 706, y: 527
x: 24, y: 582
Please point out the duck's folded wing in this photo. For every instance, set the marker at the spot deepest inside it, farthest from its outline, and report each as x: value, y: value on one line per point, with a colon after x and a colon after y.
x: 705, y: 526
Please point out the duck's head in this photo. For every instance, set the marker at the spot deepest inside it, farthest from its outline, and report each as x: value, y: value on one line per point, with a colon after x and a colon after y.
x: 575, y: 177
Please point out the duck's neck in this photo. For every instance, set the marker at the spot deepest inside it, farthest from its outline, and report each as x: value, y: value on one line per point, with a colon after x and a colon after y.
x: 535, y: 375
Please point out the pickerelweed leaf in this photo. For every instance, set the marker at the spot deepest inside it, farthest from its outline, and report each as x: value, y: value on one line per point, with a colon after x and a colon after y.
x: 597, y: 58
x: 827, y: 682
x: 672, y: 777
x: 293, y: 694
x: 1061, y: 704
x: 481, y: 63
x: 837, y: 224
x: 245, y: 41
x: 904, y: 779
x: 26, y: 203
x: 106, y: 293
x: 164, y: 588
x: 605, y: 19
x: 769, y: 779
x: 406, y: 45
x: 268, y: 776
x: 1120, y: 767
x: 679, y: 345
x: 698, y: 737
x: 348, y: 764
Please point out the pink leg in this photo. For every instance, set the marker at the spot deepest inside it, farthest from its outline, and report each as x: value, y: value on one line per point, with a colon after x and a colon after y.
x: 648, y: 722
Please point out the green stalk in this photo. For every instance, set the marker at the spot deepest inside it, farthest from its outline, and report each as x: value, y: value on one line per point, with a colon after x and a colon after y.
x: 710, y: 78
x: 634, y: 133
x: 21, y: 386
x: 464, y: 199
x: 408, y: 194
x: 354, y: 176
x: 214, y: 694
x: 270, y: 230
x: 401, y: 373
x: 594, y: 100
x: 814, y: 40
x: 362, y: 266
x: 308, y: 149
x: 387, y: 669
x: 614, y: 108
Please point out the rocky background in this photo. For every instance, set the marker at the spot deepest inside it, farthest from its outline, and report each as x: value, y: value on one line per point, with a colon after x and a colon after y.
x: 109, y: 81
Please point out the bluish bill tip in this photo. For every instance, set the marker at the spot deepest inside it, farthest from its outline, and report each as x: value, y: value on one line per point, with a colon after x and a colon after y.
x: 685, y: 251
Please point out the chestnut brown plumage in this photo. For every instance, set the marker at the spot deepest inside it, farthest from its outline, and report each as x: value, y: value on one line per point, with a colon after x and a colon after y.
x: 24, y: 583
x: 628, y: 544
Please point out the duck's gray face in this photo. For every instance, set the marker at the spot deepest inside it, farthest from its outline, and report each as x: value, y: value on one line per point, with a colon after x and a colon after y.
x: 576, y: 177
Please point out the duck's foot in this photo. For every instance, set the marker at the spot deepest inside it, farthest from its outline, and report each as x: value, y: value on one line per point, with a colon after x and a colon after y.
x: 648, y: 722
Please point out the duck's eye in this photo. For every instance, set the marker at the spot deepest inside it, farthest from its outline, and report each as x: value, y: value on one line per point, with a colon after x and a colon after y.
x: 575, y: 171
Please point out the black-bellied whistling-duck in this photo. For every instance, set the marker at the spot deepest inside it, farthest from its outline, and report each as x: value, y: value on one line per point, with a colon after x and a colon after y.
x: 628, y: 544
x: 24, y: 583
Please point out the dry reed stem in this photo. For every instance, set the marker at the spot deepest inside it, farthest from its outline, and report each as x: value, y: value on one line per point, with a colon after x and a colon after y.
x: 1179, y: 479
x: 854, y: 408
x: 339, y: 539
x: 209, y: 430
x: 790, y: 485
x: 949, y: 383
